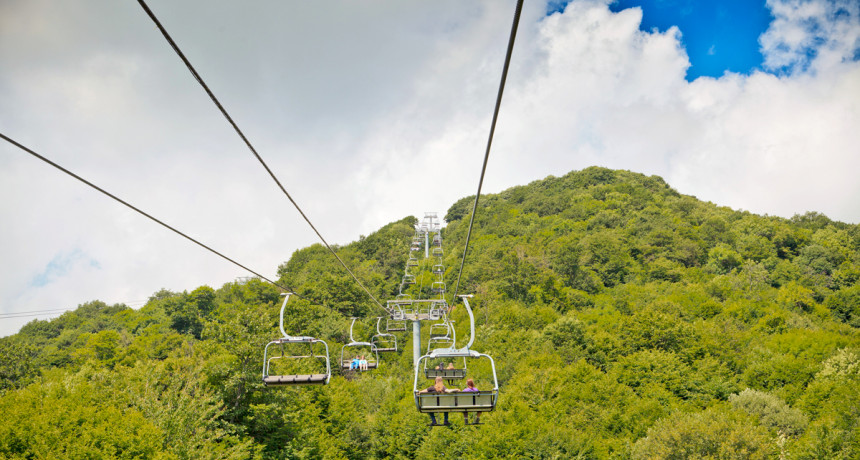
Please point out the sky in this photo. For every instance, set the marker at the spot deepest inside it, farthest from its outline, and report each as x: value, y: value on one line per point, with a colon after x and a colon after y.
x: 369, y: 112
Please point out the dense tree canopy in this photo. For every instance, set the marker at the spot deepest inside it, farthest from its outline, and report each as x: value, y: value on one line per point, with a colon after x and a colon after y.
x: 626, y: 321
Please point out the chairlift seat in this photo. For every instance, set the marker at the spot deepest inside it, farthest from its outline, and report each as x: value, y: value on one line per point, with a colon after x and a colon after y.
x: 458, y: 401
x: 300, y: 379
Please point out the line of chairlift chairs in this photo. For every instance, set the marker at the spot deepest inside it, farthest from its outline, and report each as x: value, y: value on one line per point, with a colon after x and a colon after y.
x: 301, y: 359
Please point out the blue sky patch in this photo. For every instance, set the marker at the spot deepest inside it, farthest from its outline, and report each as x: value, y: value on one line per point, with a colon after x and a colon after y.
x: 719, y: 36
x: 60, y: 266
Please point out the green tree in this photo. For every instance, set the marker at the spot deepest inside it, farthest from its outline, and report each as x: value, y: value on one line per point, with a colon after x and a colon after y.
x: 713, y: 433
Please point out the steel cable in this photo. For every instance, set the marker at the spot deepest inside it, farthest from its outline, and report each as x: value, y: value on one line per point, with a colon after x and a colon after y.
x: 490, y: 140
x: 121, y: 201
x: 248, y: 143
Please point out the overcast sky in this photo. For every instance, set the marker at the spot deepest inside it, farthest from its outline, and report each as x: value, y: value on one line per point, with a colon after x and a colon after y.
x: 372, y: 111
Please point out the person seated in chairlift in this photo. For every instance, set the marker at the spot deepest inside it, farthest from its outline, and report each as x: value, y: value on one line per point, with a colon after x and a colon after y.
x: 355, y: 363
x: 441, y: 366
x: 470, y: 387
x: 362, y: 363
x: 437, y: 387
x: 450, y: 366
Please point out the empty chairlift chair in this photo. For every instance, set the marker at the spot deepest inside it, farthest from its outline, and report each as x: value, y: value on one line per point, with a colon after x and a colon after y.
x: 442, y: 335
x: 292, y: 360
x: 477, y: 401
x: 395, y: 325
x: 442, y: 329
x: 383, y: 342
x: 366, y: 349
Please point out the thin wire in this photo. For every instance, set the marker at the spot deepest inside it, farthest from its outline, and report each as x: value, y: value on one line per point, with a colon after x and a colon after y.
x: 31, y: 152
x: 14, y: 314
x: 248, y: 143
x: 490, y: 140
x: 24, y: 314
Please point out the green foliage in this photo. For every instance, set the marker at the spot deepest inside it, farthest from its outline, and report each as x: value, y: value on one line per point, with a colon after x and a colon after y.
x: 771, y: 411
x: 71, y: 419
x: 625, y: 319
x: 16, y: 363
x: 714, y: 433
x: 844, y: 304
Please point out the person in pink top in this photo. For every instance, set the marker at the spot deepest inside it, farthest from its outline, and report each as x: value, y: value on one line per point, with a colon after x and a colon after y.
x: 470, y: 387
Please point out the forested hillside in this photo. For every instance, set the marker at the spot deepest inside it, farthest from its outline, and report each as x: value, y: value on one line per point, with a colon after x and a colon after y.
x: 626, y: 321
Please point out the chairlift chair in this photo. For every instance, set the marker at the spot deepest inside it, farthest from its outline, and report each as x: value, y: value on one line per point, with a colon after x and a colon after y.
x: 438, y: 269
x: 441, y: 342
x: 436, y: 252
x: 345, y: 365
x: 384, y: 342
x: 408, y: 279
x: 438, y: 287
x: 435, y: 311
x: 395, y: 325
x: 449, y: 374
x: 438, y: 309
x: 443, y: 335
x: 412, y: 262
x: 295, y: 379
x: 396, y: 308
x: 478, y: 401
x: 442, y: 329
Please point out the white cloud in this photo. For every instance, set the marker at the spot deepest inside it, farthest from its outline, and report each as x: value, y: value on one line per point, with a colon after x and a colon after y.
x: 371, y: 112
x: 820, y: 34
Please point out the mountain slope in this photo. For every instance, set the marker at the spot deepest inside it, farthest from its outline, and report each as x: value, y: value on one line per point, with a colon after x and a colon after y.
x: 626, y: 320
